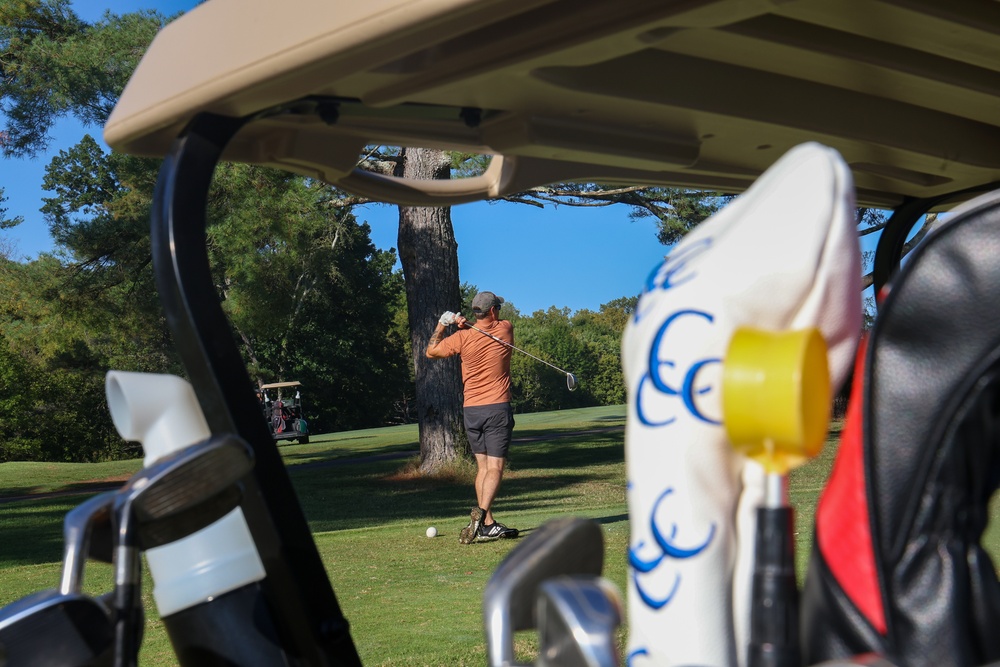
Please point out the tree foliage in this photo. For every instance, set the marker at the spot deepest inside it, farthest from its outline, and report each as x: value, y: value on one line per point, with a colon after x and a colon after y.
x: 54, y: 65
x: 52, y: 368
x: 676, y: 211
x: 309, y: 296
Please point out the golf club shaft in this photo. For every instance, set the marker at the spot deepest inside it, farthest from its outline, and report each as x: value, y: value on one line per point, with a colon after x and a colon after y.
x: 774, y: 634
x: 514, y: 347
x: 126, y: 596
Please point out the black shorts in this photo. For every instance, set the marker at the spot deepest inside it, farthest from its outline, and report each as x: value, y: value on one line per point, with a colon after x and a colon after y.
x: 489, y: 428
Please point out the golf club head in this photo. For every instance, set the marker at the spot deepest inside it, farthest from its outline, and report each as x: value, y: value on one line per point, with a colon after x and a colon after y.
x: 157, y: 532
x: 577, y: 620
x: 184, y: 492
x: 87, y: 534
x: 560, y: 547
x: 51, y: 629
x: 570, y: 381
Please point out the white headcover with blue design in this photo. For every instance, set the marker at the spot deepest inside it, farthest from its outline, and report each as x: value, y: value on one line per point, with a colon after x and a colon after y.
x: 782, y: 256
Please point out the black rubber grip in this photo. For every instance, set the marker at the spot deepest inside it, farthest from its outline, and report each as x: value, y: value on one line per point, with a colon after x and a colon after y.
x: 774, y: 615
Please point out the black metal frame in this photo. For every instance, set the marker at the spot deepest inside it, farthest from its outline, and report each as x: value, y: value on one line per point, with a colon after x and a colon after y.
x: 889, y: 251
x: 303, y: 606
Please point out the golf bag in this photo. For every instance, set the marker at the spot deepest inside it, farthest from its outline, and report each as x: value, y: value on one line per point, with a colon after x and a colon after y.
x: 897, y: 566
x: 279, y: 416
x: 782, y: 256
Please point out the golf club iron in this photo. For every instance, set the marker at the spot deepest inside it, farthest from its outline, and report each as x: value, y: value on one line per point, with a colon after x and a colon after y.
x: 569, y: 546
x: 65, y: 627
x: 52, y: 629
x: 570, y: 378
x: 86, y: 534
x: 171, y: 499
x: 577, y: 619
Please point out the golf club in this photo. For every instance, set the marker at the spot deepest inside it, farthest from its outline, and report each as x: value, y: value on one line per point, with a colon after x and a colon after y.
x: 64, y: 626
x: 570, y: 546
x: 53, y: 629
x: 570, y: 378
x: 84, y: 523
x: 776, y: 402
x: 577, y: 618
x: 176, y: 496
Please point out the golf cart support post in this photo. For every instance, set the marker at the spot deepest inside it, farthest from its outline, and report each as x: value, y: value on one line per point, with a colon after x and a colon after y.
x: 296, y: 589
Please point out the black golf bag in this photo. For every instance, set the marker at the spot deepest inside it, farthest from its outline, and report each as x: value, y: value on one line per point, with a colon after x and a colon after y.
x: 897, y: 567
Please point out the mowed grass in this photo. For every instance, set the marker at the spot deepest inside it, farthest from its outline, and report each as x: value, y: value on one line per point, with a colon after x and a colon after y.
x: 410, y: 600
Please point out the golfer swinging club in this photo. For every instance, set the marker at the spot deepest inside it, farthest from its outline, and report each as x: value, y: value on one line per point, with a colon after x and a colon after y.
x: 489, y: 419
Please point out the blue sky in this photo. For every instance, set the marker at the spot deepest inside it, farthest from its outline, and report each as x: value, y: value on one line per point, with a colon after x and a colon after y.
x: 564, y: 257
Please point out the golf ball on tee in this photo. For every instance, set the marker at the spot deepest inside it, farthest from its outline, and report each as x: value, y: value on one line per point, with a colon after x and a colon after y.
x: 432, y: 532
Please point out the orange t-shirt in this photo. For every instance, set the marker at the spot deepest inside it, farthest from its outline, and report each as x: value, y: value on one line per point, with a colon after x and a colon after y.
x: 485, y: 362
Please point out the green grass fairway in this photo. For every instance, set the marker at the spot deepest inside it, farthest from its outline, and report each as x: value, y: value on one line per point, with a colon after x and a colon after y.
x: 411, y: 600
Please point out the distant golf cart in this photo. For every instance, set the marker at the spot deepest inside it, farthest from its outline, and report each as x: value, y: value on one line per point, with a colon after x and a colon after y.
x: 284, y: 415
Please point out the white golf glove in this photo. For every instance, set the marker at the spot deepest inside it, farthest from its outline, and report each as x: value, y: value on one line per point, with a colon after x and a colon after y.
x: 447, y: 318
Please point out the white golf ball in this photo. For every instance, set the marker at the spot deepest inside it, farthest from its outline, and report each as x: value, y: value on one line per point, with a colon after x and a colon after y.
x: 432, y: 532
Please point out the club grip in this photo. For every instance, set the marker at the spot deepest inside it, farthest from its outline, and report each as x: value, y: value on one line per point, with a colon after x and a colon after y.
x: 774, y: 624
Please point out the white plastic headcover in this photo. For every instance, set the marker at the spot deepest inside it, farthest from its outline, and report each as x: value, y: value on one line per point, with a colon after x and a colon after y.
x: 782, y: 256
x: 159, y: 411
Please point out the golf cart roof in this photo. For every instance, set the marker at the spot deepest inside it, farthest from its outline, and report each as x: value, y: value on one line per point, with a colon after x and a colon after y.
x: 280, y: 385
x: 699, y: 93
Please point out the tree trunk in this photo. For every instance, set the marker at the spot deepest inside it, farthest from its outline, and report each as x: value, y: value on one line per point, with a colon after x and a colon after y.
x: 429, y: 255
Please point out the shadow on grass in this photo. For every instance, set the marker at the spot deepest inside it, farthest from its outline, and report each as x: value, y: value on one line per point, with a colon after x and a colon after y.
x: 307, y: 457
x: 617, y: 518
x: 32, y: 531
x: 567, y: 453
x: 11, y: 494
x: 370, y: 495
x: 548, y: 433
x: 337, y: 497
x: 344, y: 439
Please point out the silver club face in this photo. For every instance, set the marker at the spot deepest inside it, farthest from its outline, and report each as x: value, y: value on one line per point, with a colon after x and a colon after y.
x: 577, y: 621
x: 51, y: 628
x: 64, y: 626
x: 570, y: 546
x: 86, y: 534
x: 183, y: 492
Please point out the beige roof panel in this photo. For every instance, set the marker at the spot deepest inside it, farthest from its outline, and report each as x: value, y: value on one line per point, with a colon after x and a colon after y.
x: 693, y: 93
